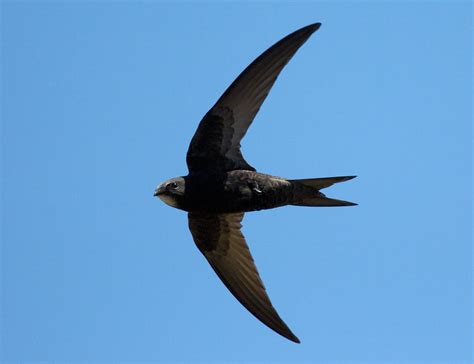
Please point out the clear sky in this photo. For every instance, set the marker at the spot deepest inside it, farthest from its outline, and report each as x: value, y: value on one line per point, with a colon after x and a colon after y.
x: 100, y: 100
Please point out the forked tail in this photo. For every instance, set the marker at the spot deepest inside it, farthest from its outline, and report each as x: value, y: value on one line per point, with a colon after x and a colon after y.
x: 307, y: 191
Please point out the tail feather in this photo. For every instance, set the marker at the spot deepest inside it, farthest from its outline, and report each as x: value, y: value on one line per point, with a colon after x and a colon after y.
x: 307, y: 191
x: 320, y: 183
x: 323, y: 201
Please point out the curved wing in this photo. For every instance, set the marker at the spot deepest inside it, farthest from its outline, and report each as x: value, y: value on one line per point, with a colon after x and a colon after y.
x: 220, y: 240
x: 216, y: 143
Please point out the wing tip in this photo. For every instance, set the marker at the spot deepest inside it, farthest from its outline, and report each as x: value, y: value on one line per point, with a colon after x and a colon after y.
x: 311, y: 28
x: 286, y: 333
x: 293, y: 338
x: 305, y: 32
x: 314, y: 26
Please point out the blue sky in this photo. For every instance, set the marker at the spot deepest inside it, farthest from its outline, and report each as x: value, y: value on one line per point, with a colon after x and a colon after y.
x: 99, y: 103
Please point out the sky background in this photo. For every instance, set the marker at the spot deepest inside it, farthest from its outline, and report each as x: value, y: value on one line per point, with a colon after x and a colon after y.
x: 99, y: 102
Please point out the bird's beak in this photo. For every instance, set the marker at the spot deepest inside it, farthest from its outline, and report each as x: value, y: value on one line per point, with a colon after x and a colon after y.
x: 159, y: 190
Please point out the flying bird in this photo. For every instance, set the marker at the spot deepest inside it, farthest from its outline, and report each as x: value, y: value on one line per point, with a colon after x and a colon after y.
x: 221, y: 186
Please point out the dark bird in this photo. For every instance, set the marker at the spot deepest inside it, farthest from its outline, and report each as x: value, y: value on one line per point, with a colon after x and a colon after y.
x: 221, y: 186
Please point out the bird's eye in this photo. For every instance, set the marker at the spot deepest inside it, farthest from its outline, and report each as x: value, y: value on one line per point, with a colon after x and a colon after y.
x: 173, y: 185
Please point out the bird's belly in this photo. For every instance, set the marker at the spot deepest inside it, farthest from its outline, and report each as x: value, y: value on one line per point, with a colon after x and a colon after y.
x: 223, y: 201
x: 240, y: 191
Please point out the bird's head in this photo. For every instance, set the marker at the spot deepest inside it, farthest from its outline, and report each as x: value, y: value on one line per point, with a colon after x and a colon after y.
x: 172, y: 191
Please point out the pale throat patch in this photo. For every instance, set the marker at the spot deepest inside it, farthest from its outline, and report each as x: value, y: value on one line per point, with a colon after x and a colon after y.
x: 169, y: 200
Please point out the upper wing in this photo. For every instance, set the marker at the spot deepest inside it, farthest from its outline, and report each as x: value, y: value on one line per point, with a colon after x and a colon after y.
x: 216, y: 143
x: 219, y: 239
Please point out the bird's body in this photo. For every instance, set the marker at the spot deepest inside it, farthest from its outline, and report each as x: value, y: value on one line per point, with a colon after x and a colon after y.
x: 234, y: 191
x: 244, y: 191
x: 221, y: 186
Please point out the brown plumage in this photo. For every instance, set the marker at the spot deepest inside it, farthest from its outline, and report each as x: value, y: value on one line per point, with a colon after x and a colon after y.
x: 221, y: 186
